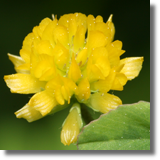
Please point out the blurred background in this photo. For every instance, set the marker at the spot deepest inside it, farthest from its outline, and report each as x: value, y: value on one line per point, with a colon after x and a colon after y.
x: 17, y: 18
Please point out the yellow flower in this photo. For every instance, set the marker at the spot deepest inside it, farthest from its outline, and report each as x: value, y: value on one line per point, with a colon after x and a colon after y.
x: 71, y: 60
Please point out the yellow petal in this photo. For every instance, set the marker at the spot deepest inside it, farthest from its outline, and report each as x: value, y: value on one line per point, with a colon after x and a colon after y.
x: 45, y: 63
x: 43, y: 25
x: 72, y: 125
x: 104, y: 85
x: 83, y: 90
x: 33, y: 62
x: 117, y: 85
x: 96, y: 39
x: 64, y: 20
x: 119, y: 81
x: 25, y: 54
x: 55, y: 83
x: 48, y: 75
x: 63, y: 88
x: 81, y: 19
x: 16, y: 60
x: 100, y: 59
x: 23, y: 83
x: 111, y: 27
x: 48, y: 32
x: 114, y: 52
x: 99, y: 19
x: 74, y: 70
x: 79, y: 38
x: 28, y: 41
x: 91, y: 23
x: 102, y: 27
x: 95, y: 74
x: 59, y: 96
x: 34, y: 45
x: 44, y: 47
x: 92, y: 72
x: 41, y: 68
x: 103, y: 102
x: 35, y: 31
x: 61, y: 56
x: 60, y: 34
x: 70, y: 86
x: 19, y: 64
x: 117, y: 44
x: 28, y: 113
x: 64, y: 93
x: 122, y: 78
x: 72, y: 26
x: 82, y: 57
x: 98, y: 52
x: 24, y: 68
x: 43, y: 102
x: 132, y: 67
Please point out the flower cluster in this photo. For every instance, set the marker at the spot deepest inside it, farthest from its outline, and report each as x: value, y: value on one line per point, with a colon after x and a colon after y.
x: 67, y: 62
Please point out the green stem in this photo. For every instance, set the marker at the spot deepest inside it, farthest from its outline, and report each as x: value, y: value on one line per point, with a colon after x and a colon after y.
x: 85, y: 114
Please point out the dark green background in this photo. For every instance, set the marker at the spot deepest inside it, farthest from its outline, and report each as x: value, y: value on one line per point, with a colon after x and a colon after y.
x: 17, y: 18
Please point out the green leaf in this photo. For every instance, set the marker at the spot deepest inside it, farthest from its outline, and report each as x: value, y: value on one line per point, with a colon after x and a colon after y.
x: 125, y: 128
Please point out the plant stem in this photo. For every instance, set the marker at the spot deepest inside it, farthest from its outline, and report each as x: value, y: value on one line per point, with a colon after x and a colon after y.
x: 86, y: 114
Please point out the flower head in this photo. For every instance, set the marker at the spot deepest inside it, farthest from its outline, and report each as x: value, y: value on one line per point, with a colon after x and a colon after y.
x: 74, y: 57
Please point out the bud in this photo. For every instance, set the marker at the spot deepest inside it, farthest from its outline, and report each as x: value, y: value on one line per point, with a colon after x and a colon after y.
x: 72, y: 125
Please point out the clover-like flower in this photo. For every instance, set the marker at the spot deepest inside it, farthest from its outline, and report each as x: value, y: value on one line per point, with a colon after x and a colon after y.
x: 68, y: 62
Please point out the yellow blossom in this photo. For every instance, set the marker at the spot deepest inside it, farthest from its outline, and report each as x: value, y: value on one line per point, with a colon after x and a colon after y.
x: 71, y: 60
